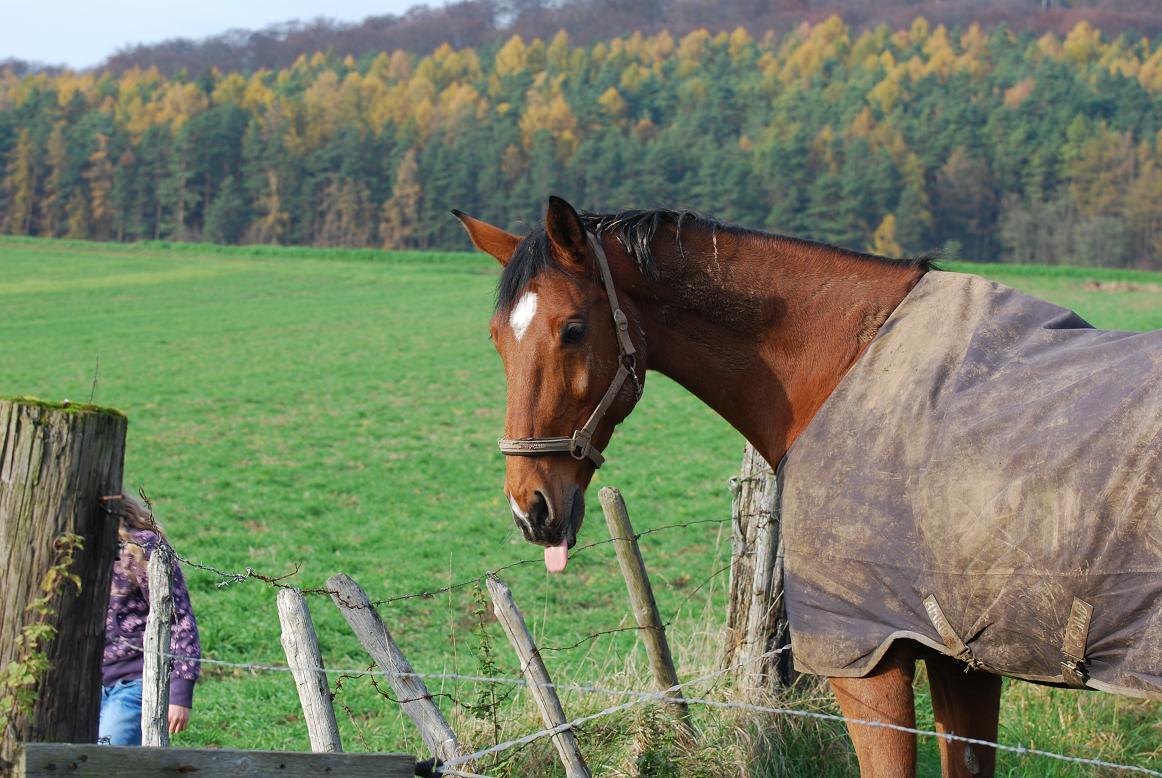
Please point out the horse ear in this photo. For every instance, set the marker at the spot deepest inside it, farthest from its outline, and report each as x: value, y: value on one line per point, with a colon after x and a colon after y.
x: 489, y: 239
x: 566, y: 231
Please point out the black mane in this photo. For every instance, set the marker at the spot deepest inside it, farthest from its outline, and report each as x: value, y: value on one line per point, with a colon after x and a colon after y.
x: 635, y: 231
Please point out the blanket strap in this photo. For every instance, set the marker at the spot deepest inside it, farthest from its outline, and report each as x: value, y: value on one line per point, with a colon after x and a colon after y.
x: 947, y: 633
x: 1073, y: 645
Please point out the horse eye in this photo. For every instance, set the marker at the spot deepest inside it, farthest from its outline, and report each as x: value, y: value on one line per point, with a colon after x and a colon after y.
x: 573, y: 333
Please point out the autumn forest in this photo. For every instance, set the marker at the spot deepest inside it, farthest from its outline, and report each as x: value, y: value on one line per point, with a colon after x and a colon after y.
x: 986, y: 144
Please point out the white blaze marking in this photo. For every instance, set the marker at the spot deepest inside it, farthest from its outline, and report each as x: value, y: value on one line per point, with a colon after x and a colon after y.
x: 516, y: 509
x: 522, y: 314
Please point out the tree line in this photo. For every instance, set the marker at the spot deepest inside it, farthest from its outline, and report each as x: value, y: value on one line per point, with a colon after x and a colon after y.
x: 478, y: 23
x: 992, y: 145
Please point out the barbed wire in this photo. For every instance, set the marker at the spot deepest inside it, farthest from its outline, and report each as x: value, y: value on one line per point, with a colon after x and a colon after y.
x: 230, y: 578
x: 1020, y: 750
x: 666, y: 696
x: 641, y: 697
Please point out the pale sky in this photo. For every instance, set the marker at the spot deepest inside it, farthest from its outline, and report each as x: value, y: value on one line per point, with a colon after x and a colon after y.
x: 83, y: 32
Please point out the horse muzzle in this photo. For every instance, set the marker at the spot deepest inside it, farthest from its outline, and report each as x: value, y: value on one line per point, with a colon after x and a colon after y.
x: 550, y: 525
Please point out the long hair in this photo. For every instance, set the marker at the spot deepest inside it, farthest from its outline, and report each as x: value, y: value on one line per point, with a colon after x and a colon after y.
x: 133, y: 514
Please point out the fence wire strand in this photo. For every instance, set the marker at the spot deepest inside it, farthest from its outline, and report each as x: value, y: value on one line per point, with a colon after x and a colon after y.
x: 666, y: 696
x: 231, y: 577
x: 639, y: 697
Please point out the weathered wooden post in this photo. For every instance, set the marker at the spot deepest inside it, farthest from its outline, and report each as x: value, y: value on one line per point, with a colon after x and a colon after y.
x: 306, y: 664
x: 414, y: 698
x: 56, y: 462
x: 756, y: 619
x: 155, y: 650
x: 540, y: 685
x: 645, y: 608
x: 52, y: 760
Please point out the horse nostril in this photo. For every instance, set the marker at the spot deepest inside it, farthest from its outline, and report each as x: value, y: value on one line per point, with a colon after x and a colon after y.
x: 539, y: 510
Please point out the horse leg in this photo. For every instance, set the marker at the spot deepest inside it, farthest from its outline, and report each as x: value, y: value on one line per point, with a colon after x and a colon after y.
x: 884, y: 695
x: 966, y: 704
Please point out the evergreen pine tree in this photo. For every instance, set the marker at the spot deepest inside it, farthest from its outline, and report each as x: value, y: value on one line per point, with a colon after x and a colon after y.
x: 226, y: 217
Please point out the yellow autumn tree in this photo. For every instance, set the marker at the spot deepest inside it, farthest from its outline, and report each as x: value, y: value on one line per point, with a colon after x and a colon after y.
x: 512, y: 57
x: 824, y: 41
x: 558, y: 53
x: 99, y: 175
x: 741, y: 47
x: 229, y: 90
x: 272, y: 221
x: 401, y: 211
x: 612, y: 102
x: 1082, y: 45
x: 20, y: 186
x: 691, y: 51
x: 884, y: 238
x: 551, y: 113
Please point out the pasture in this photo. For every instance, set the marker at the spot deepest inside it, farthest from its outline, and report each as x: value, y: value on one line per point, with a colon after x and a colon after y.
x: 338, y: 411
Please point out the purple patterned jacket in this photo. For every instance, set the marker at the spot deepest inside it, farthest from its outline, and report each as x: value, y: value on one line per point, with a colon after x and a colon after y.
x: 125, y: 626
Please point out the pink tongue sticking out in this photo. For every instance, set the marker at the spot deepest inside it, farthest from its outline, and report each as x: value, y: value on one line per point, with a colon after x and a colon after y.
x: 556, y: 557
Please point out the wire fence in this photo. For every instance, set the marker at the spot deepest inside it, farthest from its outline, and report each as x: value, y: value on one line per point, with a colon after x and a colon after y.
x: 640, y: 697
x: 636, y: 696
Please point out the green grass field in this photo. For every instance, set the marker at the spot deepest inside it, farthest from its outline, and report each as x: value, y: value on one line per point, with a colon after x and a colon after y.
x: 339, y: 411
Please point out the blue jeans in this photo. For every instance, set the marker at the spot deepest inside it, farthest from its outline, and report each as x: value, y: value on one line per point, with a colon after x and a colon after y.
x: 121, y: 714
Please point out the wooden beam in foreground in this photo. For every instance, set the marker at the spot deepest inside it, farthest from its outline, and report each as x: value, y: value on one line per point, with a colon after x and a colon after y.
x: 52, y: 760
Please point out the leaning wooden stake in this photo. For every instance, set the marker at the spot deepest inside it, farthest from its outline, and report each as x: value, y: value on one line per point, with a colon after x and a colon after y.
x: 155, y: 673
x: 645, y: 608
x: 415, y: 700
x: 306, y: 664
x: 540, y: 685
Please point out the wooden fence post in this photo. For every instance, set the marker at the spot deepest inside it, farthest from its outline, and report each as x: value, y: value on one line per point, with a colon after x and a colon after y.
x: 540, y: 685
x: 155, y: 673
x: 645, y: 608
x: 415, y: 700
x: 306, y: 663
x: 756, y: 619
x: 56, y: 462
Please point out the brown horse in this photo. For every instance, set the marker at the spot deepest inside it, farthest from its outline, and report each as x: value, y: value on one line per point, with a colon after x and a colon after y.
x: 762, y: 329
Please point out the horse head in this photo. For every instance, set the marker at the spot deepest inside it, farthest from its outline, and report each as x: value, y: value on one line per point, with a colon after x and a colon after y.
x: 574, y: 360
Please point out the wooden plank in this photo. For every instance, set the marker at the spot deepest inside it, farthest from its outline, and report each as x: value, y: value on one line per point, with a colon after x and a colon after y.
x: 56, y: 463
x: 306, y: 663
x: 540, y: 685
x: 52, y: 760
x: 645, y: 608
x: 155, y: 672
x: 415, y: 700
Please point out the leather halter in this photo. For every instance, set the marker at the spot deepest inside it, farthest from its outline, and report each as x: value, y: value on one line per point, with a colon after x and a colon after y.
x: 580, y: 444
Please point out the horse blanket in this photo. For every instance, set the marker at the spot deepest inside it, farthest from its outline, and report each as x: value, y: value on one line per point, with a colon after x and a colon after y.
x: 986, y: 481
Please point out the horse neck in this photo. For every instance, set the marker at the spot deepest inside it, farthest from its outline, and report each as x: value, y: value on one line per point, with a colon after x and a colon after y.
x: 762, y: 328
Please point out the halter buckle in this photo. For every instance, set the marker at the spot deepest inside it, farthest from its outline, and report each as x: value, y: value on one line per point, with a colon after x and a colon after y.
x: 581, y: 443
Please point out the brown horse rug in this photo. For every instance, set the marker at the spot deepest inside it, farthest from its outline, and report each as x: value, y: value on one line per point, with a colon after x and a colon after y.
x: 986, y: 481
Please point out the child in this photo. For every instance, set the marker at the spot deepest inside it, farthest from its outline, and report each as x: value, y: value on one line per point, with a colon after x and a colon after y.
x: 122, y: 663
